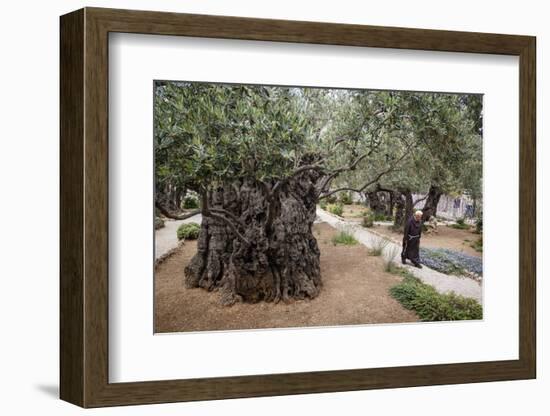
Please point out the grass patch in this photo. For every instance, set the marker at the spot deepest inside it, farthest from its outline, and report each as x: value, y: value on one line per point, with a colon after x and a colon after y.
x: 336, y: 209
x: 389, y: 263
x: 361, y: 213
x: 368, y: 220
x: 431, y: 305
x: 460, y: 225
x: 382, y: 217
x: 477, y: 245
x: 344, y: 238
x: 378, y: 247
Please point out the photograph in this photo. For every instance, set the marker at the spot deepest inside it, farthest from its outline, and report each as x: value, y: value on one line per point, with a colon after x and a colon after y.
x: 293, y: 206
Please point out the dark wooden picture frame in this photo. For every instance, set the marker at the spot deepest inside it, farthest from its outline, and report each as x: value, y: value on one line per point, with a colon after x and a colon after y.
x: 84, y: 207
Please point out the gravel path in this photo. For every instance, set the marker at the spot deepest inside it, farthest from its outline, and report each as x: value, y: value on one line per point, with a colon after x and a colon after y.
x: 166, y: 238
x: 443, y: 283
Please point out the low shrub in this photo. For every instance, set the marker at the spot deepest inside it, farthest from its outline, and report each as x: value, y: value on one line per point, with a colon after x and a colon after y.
x: 344, y: 238
x: 368, y: 220
x: 382, y: 217
x: 159, y: 223
x: 430, y: 305
x: 345, y: 198
x: 336, y: 209
x: 188, y: 231
x: 323, y: 204
x: 190, y: 202
x: 331, y: 199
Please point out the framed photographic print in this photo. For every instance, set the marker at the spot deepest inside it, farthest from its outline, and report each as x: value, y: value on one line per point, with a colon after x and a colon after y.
x: 255, y: 207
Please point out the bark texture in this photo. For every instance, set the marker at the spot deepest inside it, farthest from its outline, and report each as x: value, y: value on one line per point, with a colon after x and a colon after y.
x: 276, y: 256
x: 430, y: 206
x: 376, y: 205
x: 403, y: 208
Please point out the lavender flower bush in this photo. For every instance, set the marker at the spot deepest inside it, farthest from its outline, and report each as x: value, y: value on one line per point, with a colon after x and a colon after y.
x: 450, y: 262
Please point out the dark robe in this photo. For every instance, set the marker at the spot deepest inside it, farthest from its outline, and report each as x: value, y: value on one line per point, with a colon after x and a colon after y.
x: 411, y: 240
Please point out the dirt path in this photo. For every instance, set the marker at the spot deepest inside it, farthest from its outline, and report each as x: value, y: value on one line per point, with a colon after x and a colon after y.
x: 355, y: 291
x: 166, y: 238
x: 443, y: 283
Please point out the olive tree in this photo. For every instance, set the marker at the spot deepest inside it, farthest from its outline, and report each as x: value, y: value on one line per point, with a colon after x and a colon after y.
x: 261, y: 158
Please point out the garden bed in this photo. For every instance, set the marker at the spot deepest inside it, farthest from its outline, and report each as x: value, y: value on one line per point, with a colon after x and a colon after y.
x: 355, y: 291
x: 452, y: 262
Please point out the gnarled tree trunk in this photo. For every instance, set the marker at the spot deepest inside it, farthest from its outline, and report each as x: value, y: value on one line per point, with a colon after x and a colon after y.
x: 390, y: 204
x: 256, y: 244
x: 375, y: 204
x: 430, y: 206
x: 403, y: 208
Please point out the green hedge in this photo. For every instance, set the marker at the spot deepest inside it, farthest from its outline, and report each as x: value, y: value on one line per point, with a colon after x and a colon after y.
x: 430, y: 305
x: 190, y: 202
x: 189, y: 231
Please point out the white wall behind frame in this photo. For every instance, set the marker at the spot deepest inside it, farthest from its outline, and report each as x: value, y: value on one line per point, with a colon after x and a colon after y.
x: 29, y: 127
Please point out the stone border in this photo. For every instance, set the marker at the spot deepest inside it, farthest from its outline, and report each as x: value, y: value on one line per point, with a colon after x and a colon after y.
x: 169, y: 253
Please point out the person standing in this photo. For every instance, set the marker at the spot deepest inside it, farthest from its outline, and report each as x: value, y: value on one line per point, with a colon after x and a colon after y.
x: 411, y: 240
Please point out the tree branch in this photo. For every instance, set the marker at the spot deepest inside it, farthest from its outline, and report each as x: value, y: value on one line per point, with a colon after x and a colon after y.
x: 420, y: 200
x: 207, y: 212
x: 279, y: 184
x: 222, y: 211
x: 169, y: 214
x: 354, y: 164
x: 371, y: 182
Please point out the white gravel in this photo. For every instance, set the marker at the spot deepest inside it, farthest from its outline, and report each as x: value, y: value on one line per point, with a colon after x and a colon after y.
x: 443, y: 283
x: 166, y: 238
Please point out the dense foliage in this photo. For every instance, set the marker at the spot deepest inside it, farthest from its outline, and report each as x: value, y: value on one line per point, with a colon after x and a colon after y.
x: 206, y: 133
x: 336, y: 209
x: 188, y: 231
x: 190, y: 202
x: 431, y: 305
